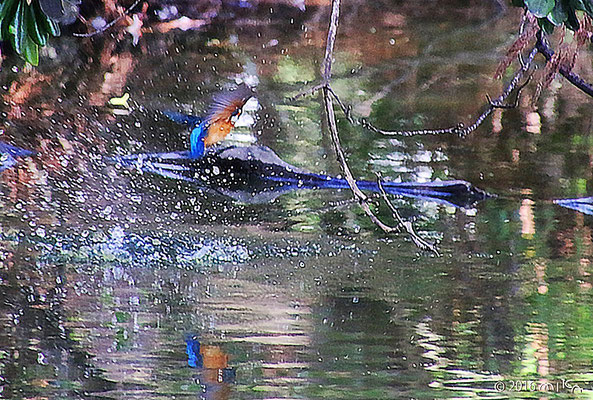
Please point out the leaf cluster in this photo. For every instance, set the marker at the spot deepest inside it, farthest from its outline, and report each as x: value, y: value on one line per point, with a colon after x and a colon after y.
x: 24, y: 24
x: 552, y: 13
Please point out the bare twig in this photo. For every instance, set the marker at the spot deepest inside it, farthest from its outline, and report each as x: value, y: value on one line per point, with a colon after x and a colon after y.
x: 331, y: 41
x: 457, y: 129
x: 333, y: 129
x: 306, y: 92
x: 347, y: 110
x: 515, y: 104
x: 110, y: 24
x: 328, y: 96
x: 543, y: 47
x: 406, y: 225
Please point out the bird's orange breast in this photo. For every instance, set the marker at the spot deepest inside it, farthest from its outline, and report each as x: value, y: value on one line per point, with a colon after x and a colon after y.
x: 217, y: 131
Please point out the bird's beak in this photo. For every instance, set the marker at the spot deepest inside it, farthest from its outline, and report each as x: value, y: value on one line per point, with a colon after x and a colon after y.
x: 235, y: 118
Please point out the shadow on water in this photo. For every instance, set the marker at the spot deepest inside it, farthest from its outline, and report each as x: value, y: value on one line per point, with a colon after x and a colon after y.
x: 106, y: 271
x: 255, y: 174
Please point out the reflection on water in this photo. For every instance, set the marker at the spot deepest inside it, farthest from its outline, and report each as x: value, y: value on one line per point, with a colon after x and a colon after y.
x: 255, y: 174
x: 116, y: 283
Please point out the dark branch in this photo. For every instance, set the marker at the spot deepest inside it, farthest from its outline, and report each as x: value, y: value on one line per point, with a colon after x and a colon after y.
x: 515, y: 104
x: 460, y: 129
x: 543, y: 47
x: 306, y: 92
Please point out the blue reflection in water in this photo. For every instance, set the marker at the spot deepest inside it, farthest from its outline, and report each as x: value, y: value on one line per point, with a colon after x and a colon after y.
x: 194, y: 358
x: 255, y: 174
x: 214, y: 373
x: 9, y: 154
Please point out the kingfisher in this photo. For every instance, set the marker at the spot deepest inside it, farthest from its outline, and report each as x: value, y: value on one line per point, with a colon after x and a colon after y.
x: 225, y: 109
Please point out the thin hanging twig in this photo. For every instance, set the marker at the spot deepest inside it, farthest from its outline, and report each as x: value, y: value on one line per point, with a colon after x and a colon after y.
x: 406, y: 225
x: 328, y: 95
x: 347, y: 110
x: 110, y: 24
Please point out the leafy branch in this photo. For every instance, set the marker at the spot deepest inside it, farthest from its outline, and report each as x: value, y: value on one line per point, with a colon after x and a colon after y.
x: 514, y: 86
x: 544, y: 48
x: 27, y: 27
x: 552, y: 13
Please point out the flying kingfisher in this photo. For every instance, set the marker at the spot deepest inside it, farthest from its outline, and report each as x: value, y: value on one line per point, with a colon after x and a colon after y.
x: 224, y: 111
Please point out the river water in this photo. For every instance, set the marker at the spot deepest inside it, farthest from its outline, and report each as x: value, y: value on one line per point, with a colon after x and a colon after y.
x: 111, y: 279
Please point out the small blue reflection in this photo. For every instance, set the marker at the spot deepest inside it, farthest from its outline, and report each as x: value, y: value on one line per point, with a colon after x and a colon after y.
x: 212, y: 362
x: 9, y: 153
x: 194, y: 358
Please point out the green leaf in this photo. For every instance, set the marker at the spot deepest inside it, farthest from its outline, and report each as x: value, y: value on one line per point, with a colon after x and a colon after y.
x: 540, y: 8
x: 54, y: 27
x: 20, y: 34
x: 546, y: 25
x: 31, y: 52
x: 573, y: 21
x: 559, y: 14
x: 588, y: 7
x: 45, y: 22
x: 7, y: 10
x: 577, y: 4
x: 35, y: 31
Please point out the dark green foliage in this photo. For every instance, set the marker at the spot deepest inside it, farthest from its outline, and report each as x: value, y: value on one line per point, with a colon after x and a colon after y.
x: 26, y: 27
x: 551, y: 13
x: 540, y: 8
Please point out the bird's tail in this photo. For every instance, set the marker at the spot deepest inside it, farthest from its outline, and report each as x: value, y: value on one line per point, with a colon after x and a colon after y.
x: 198, y: 130
x: 183, y: 119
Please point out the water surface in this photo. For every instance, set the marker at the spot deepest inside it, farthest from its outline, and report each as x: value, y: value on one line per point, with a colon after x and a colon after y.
x: 106, y: 272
